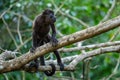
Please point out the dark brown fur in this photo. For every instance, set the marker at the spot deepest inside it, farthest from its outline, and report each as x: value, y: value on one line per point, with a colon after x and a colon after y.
x: 41, y: 28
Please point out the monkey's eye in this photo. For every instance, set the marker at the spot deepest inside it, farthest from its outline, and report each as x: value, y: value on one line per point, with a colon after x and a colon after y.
x: 51, y: 16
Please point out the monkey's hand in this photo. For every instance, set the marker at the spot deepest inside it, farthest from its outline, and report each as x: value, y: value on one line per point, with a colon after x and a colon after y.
x: 54, y: 41
x: 32, y: 50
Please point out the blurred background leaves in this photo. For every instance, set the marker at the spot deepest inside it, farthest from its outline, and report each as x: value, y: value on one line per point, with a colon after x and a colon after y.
x: 16, y: 17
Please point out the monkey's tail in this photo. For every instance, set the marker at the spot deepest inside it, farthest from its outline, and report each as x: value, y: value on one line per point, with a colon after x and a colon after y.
x: 50, y: 73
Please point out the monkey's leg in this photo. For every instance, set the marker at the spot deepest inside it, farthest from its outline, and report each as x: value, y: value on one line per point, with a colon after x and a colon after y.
x: 42, y: 62
x: 36, y: 42
x: 48, y: 38
x: 59, y: 60
x: 48, y: 73
x: 36, y: 63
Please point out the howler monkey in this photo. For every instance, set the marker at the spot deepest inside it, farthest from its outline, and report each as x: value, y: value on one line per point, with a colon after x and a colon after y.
x: 40, y: 35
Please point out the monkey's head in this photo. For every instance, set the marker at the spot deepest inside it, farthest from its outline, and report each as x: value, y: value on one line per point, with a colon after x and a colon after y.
x: 49, y: 16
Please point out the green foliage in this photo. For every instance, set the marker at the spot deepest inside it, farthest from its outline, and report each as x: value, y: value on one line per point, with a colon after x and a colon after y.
x: 89, y: 11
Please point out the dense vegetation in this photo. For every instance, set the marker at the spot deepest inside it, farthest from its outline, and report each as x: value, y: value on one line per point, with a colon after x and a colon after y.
x: 16, y: 17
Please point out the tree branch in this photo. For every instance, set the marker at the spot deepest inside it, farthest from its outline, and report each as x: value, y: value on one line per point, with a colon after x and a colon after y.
x: 18, y: 63
x: 94, y: 53
x: 90, y: 46
x: 77, y: 58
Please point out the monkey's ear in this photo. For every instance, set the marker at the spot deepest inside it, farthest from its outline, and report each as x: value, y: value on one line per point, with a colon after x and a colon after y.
x: 45, y: 11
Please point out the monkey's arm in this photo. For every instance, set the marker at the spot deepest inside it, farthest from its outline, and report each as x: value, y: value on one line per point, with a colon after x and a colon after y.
x: 53, y: 38
x: 53, y: 30
x: 56, y: 52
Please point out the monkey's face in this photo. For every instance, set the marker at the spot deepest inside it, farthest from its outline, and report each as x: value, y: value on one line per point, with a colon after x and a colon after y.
x: 49, y: 16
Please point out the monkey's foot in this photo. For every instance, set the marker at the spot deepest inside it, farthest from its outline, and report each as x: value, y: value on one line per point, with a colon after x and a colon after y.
x: 61, y: 66
x: 34, y: 65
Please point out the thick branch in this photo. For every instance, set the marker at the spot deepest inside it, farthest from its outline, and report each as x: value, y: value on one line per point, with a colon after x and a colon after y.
x: 19, y: 62
x: 7, y: 55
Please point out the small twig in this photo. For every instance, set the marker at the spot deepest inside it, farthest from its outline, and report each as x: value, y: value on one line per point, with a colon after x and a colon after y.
x: 6, y: 11
x: 72, y: 76
x: 64, y: 60
x: 2, y: 49
x: 115, y: 69
x: 18, y: 30
x: 23, y: 75
x: 58, y: 8
x: 90, y: 46
x: 109, y: 12
x: 5, y: 76
x: 23, y: 16
x: 74, y: 18
x: 86, y: 68
x: 22, y: 31
x: 26, y: 41
x: 60, y: 34
x: 11, y: 35
x: 115, y: 34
